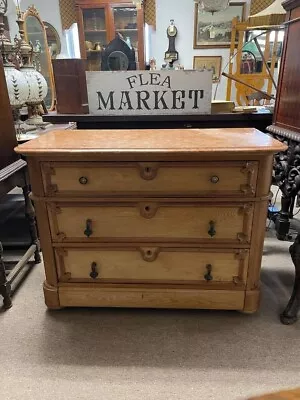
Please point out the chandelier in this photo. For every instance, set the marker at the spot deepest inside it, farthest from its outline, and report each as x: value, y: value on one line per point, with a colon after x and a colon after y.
x: 212, y: 6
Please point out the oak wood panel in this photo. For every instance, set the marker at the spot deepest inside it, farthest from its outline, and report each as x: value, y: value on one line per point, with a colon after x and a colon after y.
x: 186, y: 179
x: 87, y: 296
x: 152, y: 249
x: 153, y: 264
x: 152, y: 221
x: 159, y: 142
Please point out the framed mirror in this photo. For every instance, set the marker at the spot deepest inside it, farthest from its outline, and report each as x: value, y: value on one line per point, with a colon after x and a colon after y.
x: 35, y: 33
x: 53, y: 40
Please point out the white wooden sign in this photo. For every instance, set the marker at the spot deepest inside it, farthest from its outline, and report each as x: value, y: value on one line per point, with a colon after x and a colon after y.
x: 149, y: 92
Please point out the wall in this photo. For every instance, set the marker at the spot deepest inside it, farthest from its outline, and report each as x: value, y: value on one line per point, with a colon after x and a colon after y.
x: 48, y: 10
x: 182, y: 11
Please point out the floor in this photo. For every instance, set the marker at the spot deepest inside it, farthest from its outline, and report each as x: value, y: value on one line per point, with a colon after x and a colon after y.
x: 150, y: 354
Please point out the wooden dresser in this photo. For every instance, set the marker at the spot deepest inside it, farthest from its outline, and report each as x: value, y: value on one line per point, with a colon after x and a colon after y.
x: 152, y: 218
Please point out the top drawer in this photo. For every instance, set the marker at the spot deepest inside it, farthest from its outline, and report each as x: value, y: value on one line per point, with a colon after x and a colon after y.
x: 96, y: 179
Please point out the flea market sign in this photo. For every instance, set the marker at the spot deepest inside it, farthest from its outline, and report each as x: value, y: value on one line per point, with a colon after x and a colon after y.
x: 149, y: 92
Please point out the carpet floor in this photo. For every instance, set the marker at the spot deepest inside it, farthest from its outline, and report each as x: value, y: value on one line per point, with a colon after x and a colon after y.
x: 132, y: 354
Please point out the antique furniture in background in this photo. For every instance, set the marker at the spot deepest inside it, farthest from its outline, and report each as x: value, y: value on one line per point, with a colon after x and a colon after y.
x: 286, y: 128
x: 53, y: 40
x: 71, y: 89
x: 13, y: 172
x: 99, y: 21
x: 35, y: 33
x: 247, y: 60
x: 152, y: 218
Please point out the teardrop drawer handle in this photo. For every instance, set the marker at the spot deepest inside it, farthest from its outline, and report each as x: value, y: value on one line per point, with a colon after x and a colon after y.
x: 208, y: 276
x: 88, y: 228
x: 83, y: 180
x: 94, y: 272
x: 212, y: 229
x: 214, y: 179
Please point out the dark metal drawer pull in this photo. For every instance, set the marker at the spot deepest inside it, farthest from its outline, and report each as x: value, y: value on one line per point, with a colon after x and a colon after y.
x: 208, y: 276
x: 94, y: 272
x: 83, y: 180
x: 214, y: 179
x: 88, y: 228
x: 212, y: 229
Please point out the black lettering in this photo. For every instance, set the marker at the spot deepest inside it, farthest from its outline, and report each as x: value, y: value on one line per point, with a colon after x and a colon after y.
x: 133, y: 80
x: 126, y: 101
x: 142, y: 100
x: 154, y: 76
x: 178, y: 95
x: 167, y: 81
x: 141, y: 80
x: 194, y: 93
x: 110, y: 99
x: 160, y: 99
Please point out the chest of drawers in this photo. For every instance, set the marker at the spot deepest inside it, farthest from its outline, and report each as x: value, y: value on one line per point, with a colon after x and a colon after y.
x: 152, y: 218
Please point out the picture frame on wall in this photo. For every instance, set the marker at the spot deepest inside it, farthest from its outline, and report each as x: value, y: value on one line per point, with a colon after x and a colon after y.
x: 213, y: 63
x: 214, y: 29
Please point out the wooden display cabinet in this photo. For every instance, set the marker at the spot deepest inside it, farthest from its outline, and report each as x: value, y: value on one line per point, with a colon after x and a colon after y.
x: 99, y: 22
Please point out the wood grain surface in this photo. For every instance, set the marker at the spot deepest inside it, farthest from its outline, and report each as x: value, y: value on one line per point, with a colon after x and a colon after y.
x: 153, y: 264
x: 133, y: 218
x: 152, y: 221
x: 158, y: 141
x: 187, y: 179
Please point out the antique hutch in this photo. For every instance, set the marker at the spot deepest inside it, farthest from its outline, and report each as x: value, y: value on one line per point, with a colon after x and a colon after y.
x: 99, y: 21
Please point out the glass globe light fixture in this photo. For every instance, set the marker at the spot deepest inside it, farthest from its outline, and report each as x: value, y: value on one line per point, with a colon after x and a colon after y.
x: 213, y: 6
x: 18, y: 92
x: 38, y: 87
x: 17, y: 86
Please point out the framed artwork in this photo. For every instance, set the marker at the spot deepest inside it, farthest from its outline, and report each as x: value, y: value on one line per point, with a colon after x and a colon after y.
x: 209, y: 62
x: 214, y: 30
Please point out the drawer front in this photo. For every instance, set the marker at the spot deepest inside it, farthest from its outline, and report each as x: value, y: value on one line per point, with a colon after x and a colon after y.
x: 192, y: 222
x: 186, y: 179
x: 153, y: 265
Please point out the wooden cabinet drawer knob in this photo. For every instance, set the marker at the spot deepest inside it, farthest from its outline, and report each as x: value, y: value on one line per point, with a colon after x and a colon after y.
x: 83, y: 180
x: 214, y: 179
x: 94, y: 272
x: 208, y: 276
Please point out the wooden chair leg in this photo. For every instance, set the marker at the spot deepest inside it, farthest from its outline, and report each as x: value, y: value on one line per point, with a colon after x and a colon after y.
x: 289, y: 315
x: 30, y: 215
x: 5, y: 288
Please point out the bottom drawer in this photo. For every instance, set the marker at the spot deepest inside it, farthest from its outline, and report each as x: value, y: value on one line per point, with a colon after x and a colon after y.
x: 153, y: 265
x: 73, y: 295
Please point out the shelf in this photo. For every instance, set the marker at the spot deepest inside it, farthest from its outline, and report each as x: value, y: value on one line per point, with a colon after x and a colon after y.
x: 93, y: 51
x: 93, y: 31
x: 127, y: 30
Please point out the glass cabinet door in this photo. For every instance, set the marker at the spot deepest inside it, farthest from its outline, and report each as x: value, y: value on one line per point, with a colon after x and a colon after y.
x: 95, y: 36
x: 125, y: 23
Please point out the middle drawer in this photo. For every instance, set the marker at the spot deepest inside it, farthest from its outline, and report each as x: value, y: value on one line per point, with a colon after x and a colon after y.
x: 161, y: 264
x: 148, y: 221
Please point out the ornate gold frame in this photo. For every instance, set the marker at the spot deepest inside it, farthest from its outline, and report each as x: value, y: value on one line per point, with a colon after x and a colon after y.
x: 32, y: 11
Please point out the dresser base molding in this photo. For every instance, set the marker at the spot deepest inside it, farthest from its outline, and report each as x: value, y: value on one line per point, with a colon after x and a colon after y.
x: 252, y: 301
x: 87, y: 296
x: 51, y: 296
